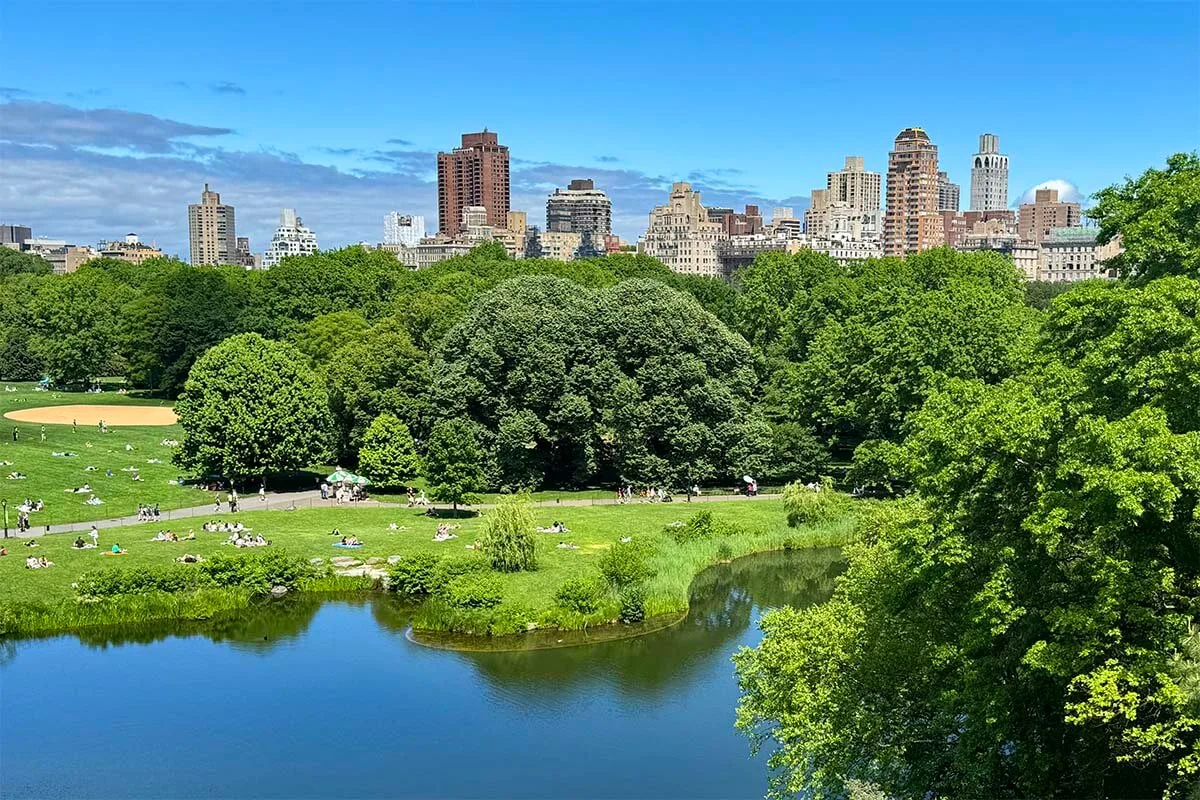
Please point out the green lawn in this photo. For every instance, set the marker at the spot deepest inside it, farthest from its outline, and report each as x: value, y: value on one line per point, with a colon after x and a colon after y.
x: 49, y: 476
x: 307, y: 533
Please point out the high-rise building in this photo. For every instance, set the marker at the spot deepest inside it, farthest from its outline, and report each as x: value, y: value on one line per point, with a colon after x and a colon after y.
x: 855, y: 185
x: 245, y: 258
x: 912, y: 222
x: 474, y: 174
x: 211, y: 231
x: 291, y: 239
x: 15, y: 235
x: 579, y: 208
x: 989, y: 175
x: 404, y: 229
x: 948, y: 193
x: 131, y: 250
x: 782, y: 212
x: 681, y: 236
x: 1034, y: 220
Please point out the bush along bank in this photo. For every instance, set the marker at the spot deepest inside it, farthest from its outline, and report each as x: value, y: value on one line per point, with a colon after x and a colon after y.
x: 636, y: 578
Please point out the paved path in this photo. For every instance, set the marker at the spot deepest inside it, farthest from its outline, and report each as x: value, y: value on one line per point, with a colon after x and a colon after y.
x: 296, y: 501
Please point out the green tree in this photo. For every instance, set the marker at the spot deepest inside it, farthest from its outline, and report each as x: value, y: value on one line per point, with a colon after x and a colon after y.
x: 179, y: 312
x: 14, y: 262
x: 388, y: 455
x: 74, y: 326
x: 571, y: 386
x: 454, y: 463
x: 507, y: 535
x: 322, y: 336
x: 1025, y: 624
x: 1157, y: 216
x: 251, y: 407
x: 380, y: 371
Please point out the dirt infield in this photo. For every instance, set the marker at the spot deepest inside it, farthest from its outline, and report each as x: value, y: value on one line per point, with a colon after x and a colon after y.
x: 113, y: 416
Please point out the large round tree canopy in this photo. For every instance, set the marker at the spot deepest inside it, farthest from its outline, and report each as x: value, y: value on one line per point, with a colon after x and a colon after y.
x: 251, y: 406
x: 633, y: 382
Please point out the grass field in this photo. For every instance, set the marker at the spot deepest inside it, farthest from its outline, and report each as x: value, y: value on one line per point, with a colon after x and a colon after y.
x: 307, y: 533
x: 49, y: 476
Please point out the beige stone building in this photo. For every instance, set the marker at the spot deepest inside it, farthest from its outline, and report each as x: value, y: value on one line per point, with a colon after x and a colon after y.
x: 211, y: 231
x: 131, y: 250
x: 559, y: 245
x: 681, y: 236
x: 1035, y: 220
x: 518, y: 223
x: 912, y: 222
x: 1071, y: 254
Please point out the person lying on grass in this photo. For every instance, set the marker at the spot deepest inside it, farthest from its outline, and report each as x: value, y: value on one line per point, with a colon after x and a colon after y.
x: 33, y: 562
x: 557, y: 527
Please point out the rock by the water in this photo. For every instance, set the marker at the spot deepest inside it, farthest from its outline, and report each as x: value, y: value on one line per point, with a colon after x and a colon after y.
x: 374, y: 560
x: 316, y: 561
x: 393, y: 559
x: 344, y: 561
x: 278, y: 591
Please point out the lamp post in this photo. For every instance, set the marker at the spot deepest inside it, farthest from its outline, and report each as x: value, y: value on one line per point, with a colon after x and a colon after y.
x: 5, y: 504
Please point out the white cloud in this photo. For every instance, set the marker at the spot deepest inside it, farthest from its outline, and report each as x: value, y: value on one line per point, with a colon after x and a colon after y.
x: 1067, y: 191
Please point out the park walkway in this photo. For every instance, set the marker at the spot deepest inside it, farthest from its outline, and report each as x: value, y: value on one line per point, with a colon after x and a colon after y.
x: 296, y: 501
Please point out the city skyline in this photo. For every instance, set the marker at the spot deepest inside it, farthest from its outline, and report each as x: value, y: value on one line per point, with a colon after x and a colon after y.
x: 134, y: 159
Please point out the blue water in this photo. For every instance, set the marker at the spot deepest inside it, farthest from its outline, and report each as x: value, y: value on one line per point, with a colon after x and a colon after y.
x: 331, y: 700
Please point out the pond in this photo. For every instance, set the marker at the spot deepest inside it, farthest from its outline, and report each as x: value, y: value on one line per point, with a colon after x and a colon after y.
x: 315, y: 697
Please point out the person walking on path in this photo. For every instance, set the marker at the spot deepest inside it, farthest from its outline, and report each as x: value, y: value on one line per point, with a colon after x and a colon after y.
x: 262, y: 493
x: 95, y: 534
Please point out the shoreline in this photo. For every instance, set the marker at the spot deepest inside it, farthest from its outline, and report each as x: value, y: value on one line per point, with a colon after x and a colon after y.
x: 163, y: 609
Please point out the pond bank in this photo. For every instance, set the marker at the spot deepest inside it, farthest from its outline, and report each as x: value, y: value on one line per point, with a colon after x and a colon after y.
x: 33, y: 604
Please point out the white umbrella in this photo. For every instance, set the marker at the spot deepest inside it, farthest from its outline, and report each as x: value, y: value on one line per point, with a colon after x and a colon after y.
x: 747, y: 479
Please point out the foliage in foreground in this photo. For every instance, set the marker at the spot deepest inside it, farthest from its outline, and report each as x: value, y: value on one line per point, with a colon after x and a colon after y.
x: 1025, y: 626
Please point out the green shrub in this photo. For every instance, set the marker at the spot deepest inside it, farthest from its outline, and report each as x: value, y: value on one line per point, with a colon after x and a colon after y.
x: 633, y: 605
x: 724, y: 551
x: 453, y: 567
x: 258, y: 572
x: 703, y: 525
x: 507, y: 535
x: 113, y: 582
x: 508, y: 619
x: 474, y: 590
x: 807, y: 507
x: 626, y: 563
x: 414, y: 575
x: 579, y: 594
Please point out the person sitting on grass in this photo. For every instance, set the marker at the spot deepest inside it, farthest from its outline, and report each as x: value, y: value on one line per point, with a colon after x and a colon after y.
x: 116, y: 550
x: 3, y: 551
x: 31, y: 543
x: 17, y: 476
x: 336, y: 532
x: 191, y: 535
x: 79, y: 543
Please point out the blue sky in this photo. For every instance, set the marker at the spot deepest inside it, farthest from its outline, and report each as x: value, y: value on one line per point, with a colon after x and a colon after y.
x: 113, y: 115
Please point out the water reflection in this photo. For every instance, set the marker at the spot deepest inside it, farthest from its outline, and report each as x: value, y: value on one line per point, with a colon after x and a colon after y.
x: 335, y: 701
